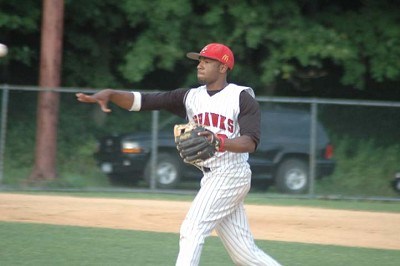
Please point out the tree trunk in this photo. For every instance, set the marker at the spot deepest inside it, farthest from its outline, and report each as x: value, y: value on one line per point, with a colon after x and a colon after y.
x: 48, y: 101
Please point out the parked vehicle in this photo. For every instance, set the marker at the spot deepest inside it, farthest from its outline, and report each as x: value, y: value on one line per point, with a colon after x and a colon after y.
x: 282, y: 157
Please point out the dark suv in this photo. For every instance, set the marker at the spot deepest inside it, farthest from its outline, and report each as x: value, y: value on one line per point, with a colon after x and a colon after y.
x: 281, y: 159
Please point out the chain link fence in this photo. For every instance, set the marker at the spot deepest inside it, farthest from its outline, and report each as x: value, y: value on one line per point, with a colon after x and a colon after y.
x: 310, y: 147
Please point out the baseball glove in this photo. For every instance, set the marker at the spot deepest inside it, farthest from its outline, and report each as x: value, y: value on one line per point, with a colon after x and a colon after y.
x: 192, y: 147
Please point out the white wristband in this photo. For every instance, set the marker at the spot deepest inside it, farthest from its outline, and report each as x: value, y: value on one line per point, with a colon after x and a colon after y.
x: 137, y: 102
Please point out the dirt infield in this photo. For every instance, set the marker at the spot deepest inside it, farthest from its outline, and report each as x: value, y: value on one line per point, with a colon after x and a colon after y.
x: 293, y: 224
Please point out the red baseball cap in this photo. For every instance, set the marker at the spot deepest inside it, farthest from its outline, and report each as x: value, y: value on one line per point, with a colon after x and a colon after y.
x: 216, y: 51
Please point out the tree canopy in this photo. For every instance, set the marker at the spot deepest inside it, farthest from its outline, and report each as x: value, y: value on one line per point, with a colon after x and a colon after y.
x: 279, y: 46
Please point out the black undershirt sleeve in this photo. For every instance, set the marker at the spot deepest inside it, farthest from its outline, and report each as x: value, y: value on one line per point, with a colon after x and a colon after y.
x: 171, y: 101
x: 249, y: 117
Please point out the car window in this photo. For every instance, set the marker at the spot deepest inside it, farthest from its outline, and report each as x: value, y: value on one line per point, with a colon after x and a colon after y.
x: 288, y: 124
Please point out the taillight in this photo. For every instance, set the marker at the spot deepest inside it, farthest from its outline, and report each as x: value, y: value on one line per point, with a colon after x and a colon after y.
x: 131, y: 147
x: 329, y: 151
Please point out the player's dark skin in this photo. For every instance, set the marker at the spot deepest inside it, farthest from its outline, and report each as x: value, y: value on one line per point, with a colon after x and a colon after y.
x: 209, y: 72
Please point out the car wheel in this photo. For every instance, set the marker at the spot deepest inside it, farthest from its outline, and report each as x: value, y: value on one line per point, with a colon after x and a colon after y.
x: 168, y: 171
x: 292, y: 176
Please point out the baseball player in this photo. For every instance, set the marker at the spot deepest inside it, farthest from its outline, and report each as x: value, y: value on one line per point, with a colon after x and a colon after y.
x: 232, y: 114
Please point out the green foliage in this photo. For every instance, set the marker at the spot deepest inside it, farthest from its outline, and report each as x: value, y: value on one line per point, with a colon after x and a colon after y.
x: 158, y: 44
x: 374, y: 34
x: 17, y: 23
x: 366, y: 149
x: 20, y: 139
x: 91, y: 43
x: 123, y: 43
x: 364, y: 168
x: 79, y: 128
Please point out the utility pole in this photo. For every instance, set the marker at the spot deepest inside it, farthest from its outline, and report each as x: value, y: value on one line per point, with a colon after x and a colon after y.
x: 48, y: 99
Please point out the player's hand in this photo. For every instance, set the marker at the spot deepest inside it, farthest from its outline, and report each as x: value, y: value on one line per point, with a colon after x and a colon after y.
x: 218, y: 140
x: 208, y: 134
x: 101, y: 97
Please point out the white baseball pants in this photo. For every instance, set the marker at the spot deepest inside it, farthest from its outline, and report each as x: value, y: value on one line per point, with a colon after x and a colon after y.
x: 219, y: 205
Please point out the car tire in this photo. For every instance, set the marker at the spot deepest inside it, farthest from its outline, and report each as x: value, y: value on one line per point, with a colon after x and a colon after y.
x: 168, y: 171
x: 292, y: 176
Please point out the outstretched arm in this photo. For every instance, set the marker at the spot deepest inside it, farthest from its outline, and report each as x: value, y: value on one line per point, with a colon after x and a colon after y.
x: 123, y: 99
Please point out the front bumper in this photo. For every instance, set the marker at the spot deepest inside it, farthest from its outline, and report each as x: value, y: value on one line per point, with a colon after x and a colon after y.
x: 129, y: 164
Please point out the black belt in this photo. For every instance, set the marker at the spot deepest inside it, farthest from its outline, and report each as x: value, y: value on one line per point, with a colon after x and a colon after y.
x: 206, y: 170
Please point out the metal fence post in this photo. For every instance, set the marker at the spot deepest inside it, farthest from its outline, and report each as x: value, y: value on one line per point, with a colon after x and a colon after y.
x: 313, y: 147
x: 154, y: 149
x: 3, y: 130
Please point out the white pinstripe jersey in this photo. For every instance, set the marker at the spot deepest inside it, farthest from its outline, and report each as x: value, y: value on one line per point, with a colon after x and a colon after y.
x: 219, y: 114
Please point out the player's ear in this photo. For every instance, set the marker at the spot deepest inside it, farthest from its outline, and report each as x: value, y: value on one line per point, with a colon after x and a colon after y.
x: 223, y: 68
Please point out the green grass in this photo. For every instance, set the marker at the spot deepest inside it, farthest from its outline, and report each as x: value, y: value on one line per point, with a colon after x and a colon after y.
x: 38, y: 244
x: 252, y: 198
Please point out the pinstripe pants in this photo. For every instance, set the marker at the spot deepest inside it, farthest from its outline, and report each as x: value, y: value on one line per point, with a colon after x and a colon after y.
x: 219, y: 205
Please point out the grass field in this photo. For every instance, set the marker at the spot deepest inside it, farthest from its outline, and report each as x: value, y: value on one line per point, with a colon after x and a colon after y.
x: 252, y: 198
x: 38, y: 244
